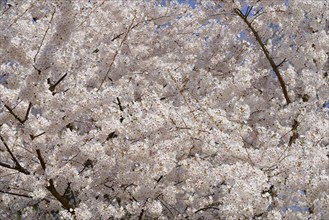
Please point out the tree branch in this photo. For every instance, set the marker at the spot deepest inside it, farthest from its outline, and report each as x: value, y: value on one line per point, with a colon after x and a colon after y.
x: 274, y: 66
x: 22, y: 121
x: 141, y: 215
x: 284, y: 60
x: 53, y: 86
x: 17, y: 164
x: 43, y: 38
x: 205, y: 208
x: 7, y: 166
x: 27, y: 112
x: 42, y: 162
x: 52, y: 189
x: 295, y: 134
x: 16, y: 194
x: 117, y: 52
x: 38, y: 135
x: 257, y: 14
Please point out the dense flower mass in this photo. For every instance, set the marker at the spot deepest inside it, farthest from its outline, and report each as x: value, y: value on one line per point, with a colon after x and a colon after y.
x: 164, y: 110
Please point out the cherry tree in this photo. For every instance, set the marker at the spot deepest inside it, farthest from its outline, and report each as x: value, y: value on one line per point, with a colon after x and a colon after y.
x: 155, y: 110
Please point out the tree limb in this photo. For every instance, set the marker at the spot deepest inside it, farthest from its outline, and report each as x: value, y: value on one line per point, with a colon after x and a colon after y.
x: 52, y: 189
x: 274, y: 66
x: 22, y: 121
x: 53, y: 86
x: 16, y: 194
x: 17, y: 164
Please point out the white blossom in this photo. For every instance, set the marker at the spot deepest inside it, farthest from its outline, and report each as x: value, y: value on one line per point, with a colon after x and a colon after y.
x: 163, y: 109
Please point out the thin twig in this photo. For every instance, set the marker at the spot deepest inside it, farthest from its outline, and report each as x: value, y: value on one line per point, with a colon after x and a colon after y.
x: 283, y: 61
x: 53, y: 86
x: 205, y: 208
x: 257, y: 14
x: 108, y: 70
x: 117, y: 52
x: 27, y: 112
x: 167, y: 208
x: 16, y: 194
x: 21, y: 15
x: 43, y: 38
x: 37, y: 135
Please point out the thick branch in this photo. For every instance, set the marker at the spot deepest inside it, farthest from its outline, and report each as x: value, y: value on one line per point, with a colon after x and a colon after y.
x: 141, y: 215
x: 68, y: 194
x: 52, y: 189
x: 42, y: 162
x: 17, y: 164
x: 13, y: 113
x: 7, y: 166
x: 22, y: 121
x: 274, y: 66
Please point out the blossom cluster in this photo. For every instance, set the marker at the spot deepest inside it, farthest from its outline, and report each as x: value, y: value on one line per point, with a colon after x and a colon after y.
x: 155, y: 110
